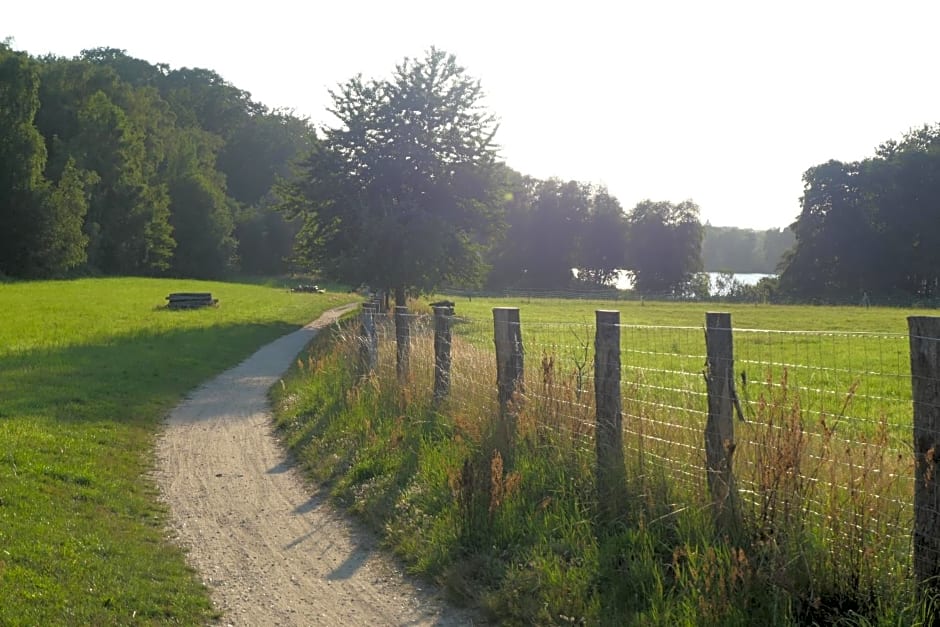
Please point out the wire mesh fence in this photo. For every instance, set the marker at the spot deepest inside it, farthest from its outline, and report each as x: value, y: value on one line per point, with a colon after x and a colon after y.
x: 821, y: 448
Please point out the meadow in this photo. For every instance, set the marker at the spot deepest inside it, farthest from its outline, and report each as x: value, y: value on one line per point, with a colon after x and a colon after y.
x: 823, y: 465
x: 88, y: 370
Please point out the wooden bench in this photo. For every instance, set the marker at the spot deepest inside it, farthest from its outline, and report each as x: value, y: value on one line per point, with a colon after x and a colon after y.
x: 191, y: 300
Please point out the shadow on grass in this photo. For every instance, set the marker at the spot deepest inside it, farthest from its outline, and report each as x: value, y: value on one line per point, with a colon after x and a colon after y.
x: 79, y: 521
x: 134, y: 378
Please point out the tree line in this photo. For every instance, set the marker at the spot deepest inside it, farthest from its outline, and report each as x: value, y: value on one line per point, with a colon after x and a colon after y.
x: 407, y: 193
x: 113, y: 165
x: 870, y: 229
x: 734, y: 249
x: 409, y: 146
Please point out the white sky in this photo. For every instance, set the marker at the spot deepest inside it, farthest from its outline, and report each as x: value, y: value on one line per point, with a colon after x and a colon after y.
x: 726, y: 103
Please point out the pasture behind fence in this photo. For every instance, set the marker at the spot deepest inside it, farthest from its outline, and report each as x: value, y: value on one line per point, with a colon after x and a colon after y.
x: 792, y: 436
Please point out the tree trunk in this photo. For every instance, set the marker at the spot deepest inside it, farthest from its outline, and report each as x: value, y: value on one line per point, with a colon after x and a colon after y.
x: 400, y: 299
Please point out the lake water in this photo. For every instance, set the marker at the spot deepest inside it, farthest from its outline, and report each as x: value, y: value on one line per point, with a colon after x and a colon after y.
x: 747, y: 278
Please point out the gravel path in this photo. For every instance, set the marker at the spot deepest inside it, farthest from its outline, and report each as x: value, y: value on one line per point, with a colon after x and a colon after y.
x: 268, y: 546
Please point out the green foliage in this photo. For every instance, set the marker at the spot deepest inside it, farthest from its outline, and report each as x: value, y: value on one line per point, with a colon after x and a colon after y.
x: 136, y: 176
x: 868, y: 227
x: 265, y: 240
x: 260, y: 150
x: 61, y: 244
x: 22, y: 160
x: 257, y: 155
x: 88, y: 370
x: 603, y: 244
x: 554, y: 226
x: 400, y: 193
x: 128, y: 217
x: 40, y: 223
x: 202, y: 225
x: 543, y: 235
x: 665, y: 246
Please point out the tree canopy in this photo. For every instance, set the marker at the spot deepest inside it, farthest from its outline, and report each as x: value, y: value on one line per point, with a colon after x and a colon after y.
x: 665, y: 246
x: 40, y: 220
x: 114, y: 165
x: 556, y: 226
x: 401, y: 193
x: 870, y: 227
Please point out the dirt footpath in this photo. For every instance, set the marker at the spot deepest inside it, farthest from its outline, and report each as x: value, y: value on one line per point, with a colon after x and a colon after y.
x: 269, y: 547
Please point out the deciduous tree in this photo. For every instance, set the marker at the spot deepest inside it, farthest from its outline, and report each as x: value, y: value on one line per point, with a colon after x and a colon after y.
x: 603, y: 241
x: 400, y: 193
x: 665, y: 246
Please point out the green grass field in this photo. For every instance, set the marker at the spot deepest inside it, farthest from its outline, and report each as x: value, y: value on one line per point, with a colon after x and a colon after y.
x: 823, y: 466
x: 826, y: 351
x: 88, y: 369
x: 680, y: 313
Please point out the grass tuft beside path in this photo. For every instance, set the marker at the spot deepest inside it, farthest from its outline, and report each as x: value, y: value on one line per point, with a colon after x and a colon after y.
x: 88, y: 370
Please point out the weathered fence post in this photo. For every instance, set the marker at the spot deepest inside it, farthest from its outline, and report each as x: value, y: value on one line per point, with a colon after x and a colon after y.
x: 925, y: 387
x: 507, y: 335
x: 368, y: 340
x: 608, y: 437
x: 719, y: 427
x: 443, y: 316
x: 402, y: 340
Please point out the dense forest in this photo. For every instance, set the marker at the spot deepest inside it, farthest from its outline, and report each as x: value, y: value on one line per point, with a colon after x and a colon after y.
x: 114, y: 165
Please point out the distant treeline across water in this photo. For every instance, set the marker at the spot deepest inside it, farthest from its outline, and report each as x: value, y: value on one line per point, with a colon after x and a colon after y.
x: 747, y: 278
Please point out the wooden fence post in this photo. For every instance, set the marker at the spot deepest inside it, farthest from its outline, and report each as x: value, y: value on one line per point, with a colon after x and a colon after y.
x: 608, y: 436
x: 719, y: 427
x: 368, y: 340
x: 925, y: 387
x: 507, y: 335
x: 443, y: 316
x: 402, y: 341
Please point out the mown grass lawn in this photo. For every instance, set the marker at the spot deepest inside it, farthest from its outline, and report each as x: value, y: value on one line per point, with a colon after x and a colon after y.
x: 88, y: 370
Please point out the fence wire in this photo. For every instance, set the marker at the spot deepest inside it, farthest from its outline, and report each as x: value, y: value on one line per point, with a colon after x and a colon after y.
x: 822, y: 440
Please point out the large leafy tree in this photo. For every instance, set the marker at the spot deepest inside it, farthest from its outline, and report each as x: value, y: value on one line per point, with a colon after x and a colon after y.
x: 834, y: 235
x: 603, y: 242
x: 546, y: 223
x: 870, y: 226
x: 665, y: 246
x: 550, y: 235
x: 120, y: 134
x: 128, y: 220
x: 22, y: 159
x: 401, y: 194
x: 200, y: 212
x: 40, y: 223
